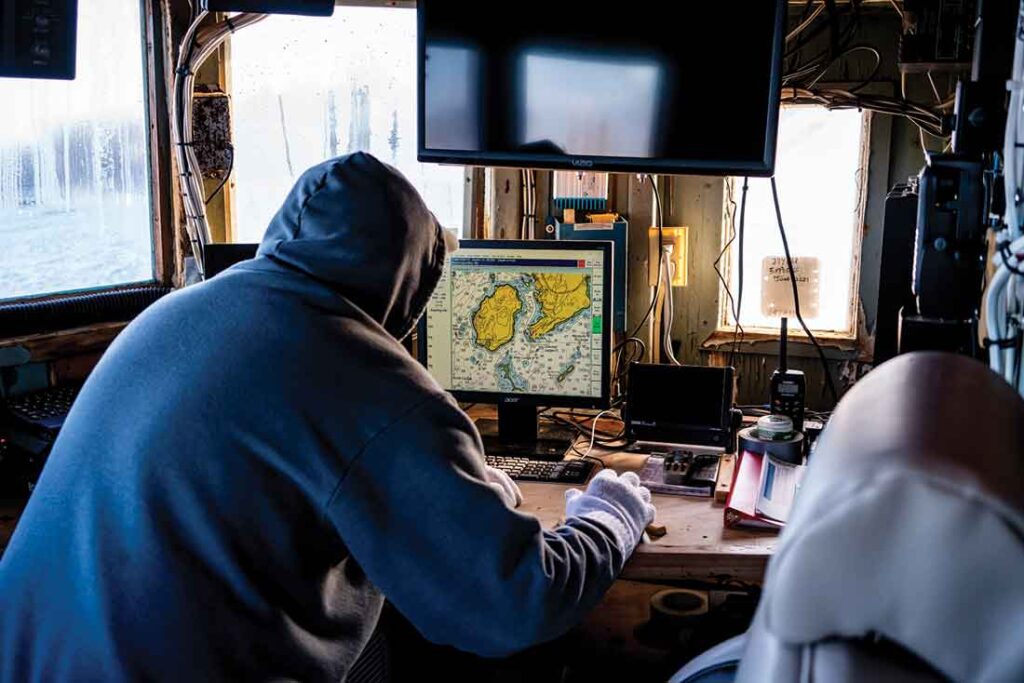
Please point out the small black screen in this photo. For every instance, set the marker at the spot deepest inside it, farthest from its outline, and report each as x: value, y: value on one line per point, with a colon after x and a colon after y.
x: 685, y: 396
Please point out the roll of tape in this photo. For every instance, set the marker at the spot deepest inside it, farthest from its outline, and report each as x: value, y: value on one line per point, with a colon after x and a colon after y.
x: 784, y: 450
x: 678, y: 607
x: 775, y: 428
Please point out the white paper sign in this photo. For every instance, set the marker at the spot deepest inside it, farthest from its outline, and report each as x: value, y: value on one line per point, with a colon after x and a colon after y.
x: 777, y: 291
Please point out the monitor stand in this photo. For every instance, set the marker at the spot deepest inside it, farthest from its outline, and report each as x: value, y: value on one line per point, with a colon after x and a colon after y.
x: 516, y: 434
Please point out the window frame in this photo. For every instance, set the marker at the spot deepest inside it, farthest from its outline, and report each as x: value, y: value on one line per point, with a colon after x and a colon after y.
x: 155, y: 36
x: 854, y: 338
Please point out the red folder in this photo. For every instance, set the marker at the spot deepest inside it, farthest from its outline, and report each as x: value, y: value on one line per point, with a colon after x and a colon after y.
x: 740, y: 506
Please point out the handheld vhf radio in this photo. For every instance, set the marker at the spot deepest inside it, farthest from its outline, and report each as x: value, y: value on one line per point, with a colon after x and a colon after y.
x: 788, y: 387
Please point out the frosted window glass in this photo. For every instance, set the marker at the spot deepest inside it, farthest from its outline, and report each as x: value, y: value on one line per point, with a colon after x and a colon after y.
x: 75, y: 206
x: 306, y: 89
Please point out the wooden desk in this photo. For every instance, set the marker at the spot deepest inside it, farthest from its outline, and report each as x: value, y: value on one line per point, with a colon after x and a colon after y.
x: 697, y: 546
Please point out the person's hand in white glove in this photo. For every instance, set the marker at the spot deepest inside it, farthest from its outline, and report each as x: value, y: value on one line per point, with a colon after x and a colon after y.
x: 503, y: 484
x: 618, y: 503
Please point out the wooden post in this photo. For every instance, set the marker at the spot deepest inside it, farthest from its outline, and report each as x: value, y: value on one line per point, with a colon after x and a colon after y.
x: 640, y: 215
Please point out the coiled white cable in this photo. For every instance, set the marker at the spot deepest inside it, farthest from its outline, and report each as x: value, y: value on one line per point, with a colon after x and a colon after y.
x: 1001, y: 296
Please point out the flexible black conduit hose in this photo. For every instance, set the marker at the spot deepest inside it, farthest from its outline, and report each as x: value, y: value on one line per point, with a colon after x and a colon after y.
x: 36, y: 317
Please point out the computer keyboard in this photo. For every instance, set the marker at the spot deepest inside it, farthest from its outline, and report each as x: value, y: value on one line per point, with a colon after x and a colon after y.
x: 574, y: 471
x: 44, y: 409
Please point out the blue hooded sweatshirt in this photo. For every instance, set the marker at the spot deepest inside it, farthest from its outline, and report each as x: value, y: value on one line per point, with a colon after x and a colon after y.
x: 256, y: 462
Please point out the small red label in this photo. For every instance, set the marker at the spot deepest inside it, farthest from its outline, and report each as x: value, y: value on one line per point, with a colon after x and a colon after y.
x: 581, y: 263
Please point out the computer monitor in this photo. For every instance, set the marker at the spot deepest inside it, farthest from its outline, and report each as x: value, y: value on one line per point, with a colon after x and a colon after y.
x: 599, y: 86
x: 522, y: 324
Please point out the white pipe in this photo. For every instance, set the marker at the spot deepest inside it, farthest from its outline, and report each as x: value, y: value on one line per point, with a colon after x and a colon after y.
x: 992, y: 315
x: 668, y: 305
x: 1011, y: 153
x: 201, y: 44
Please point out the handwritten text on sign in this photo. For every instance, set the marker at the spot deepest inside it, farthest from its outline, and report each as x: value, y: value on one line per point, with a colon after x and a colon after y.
x: 777, y: 291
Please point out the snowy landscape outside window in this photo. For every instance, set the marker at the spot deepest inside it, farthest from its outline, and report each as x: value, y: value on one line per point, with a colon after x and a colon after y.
x: 821, y: 173
x: 305, y: 89
x: 74, y: 166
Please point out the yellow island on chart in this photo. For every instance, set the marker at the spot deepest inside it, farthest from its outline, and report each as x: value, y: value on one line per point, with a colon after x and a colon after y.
x: 561, y: 297
x: 495, y: 320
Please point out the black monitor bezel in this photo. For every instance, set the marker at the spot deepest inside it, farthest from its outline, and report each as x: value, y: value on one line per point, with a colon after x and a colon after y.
x: 676, y: 378
x: 499, y: 398
x: 764, y: 167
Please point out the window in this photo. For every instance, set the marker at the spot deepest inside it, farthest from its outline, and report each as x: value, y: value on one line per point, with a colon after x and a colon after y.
x: 75, y: 200
x: 306, y: 89
x: 820, y: 173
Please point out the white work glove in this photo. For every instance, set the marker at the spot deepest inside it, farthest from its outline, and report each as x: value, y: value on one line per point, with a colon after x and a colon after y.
x: 618, y: 503
x: 503, y: 484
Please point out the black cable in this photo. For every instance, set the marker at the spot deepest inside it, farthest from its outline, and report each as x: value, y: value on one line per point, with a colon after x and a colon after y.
x: 833, y: 27
x: 804, y: 39
x: 796, y: 295
x: 755, y: 412
x: 871, y: 76
x: 728, y: 292
x: 738, y: 332
x: 605, y: 434
x: 585, y: 456
x: 811, y: 32
x: 661, y: 250
x: 568, y: 419
x: 743, y: 222
x: 1005, y: 252
x: 844, y: 53
x: 231, y: 167
x: 621, y: 367
x: 926, y: 119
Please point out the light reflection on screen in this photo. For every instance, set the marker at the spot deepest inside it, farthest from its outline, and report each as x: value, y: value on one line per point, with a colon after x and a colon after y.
x: 600, y: 105
x: 453, y: 97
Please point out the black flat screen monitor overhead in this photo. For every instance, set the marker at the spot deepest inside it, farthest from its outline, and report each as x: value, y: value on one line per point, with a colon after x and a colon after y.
x: 680, y: 87
x: 522, y: 324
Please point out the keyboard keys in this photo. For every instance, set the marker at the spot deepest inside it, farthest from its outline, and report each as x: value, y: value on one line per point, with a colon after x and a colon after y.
x: 559, y: 471
x: 47, y: 407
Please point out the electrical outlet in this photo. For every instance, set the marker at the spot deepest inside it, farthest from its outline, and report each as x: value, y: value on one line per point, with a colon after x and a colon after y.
x: 676, y: 238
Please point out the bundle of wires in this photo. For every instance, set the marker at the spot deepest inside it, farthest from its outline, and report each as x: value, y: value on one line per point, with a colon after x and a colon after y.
x: 1004, y: 298
x: 927, y: 119
x: 528, y: 227
x: 762, y: 409
x: 666, y: 274
x: 803, y: 73
x: 735, y: 303
x: 632, y: 348
x: 659, y: 220
x: 197, y: 45
x: 595, y: 436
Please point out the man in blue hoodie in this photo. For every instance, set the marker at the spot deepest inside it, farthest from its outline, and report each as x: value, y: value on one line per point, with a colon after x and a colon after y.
x: 256, y: 462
